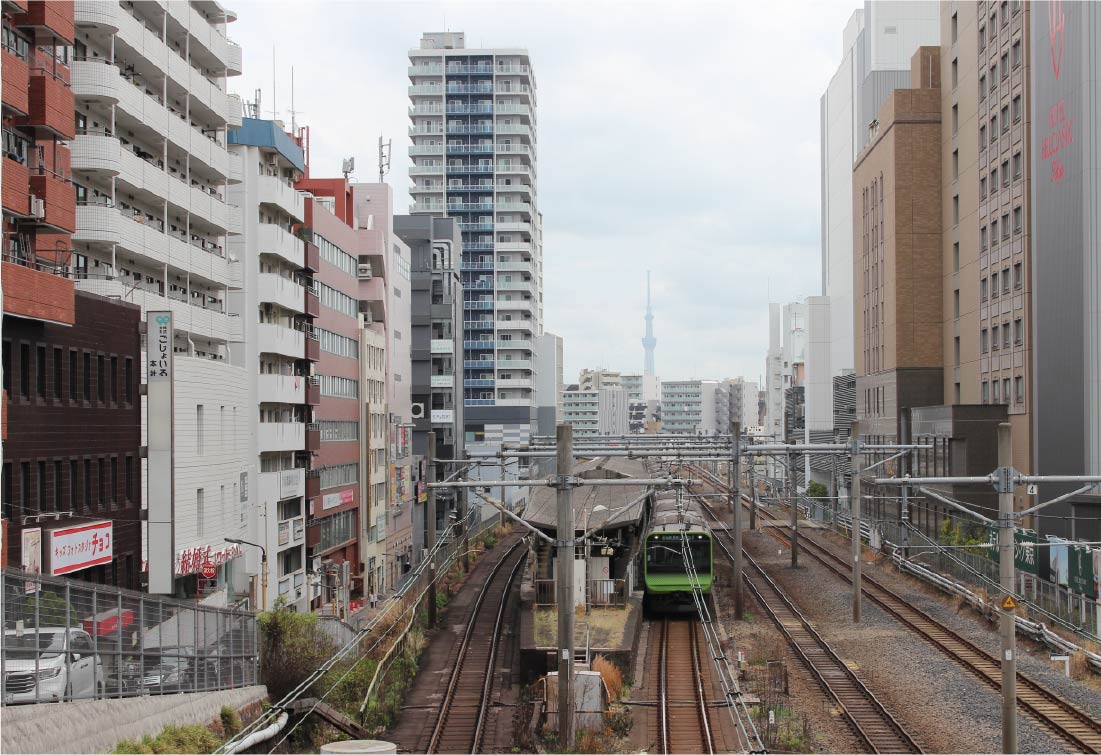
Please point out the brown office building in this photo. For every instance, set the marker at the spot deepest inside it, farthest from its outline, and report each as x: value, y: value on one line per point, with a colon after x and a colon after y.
x: 897, y: 264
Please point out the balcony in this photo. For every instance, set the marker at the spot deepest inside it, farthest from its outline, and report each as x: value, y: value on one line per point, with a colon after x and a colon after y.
x: 276, y: 240
x: 313, y: 303
x: 49, y: 20
x: 281, y: 389
x: 513, y: 110
x: 442, y: 416
x: 96, y: 153
x: 513, y: 344
x: 425, y: 89
x: 523, y: 266
x: 426, y: 207
x: 469, y: 206
x: 426, y: 149
x: 51, y: 101
x: 453, y: 169
x: 514, y: 383
x: 425, y: 170
x: 313, y: 437
x: 102, y: 16
x: 15, y: 75
x: 478, y: 325
x: 313, y: 390
x: 233, y: 59
x: 426, y: 70
x: 475, y: 227
x: 32, y: 290
x: 475, y: 265
x: 287, y: 293
x: 281, y: 436
x: 473, y: 128
x: 96, y: 80
x: 477, y: 246
x: 511, y: 166
x: 233, y: 111
x: 313, y: 257
x: 213, y: 324
x: 59, y: 199
x: 478, y: 305
x: 507, y: 206
x: 442, y: 346
x: 470, y: 149
x: 516, y: 285
x: 442, y: 381
x: 514, y: 364
x: 16, y: 188
x: 274, y: 191
x: 478, y: 383
x: 279, y: 339
x: 313, y: 348
x: 478, y: 364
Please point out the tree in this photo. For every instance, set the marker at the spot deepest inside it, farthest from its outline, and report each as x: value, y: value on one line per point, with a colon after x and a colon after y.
x: 817, y: 490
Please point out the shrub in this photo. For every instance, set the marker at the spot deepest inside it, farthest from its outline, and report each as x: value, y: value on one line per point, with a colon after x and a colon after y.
x: 817, y: 490
x: 193, y: 738
x: 612, y: 676
x: 231, y: 721
x: 292, y: 645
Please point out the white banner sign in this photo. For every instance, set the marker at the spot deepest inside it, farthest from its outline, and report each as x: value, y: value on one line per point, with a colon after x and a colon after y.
x: 161, y: 533
x: 80, y: 547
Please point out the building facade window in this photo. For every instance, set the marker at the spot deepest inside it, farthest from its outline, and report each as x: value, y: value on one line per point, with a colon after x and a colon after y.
x: 339, y: 474
x: 333, y: 430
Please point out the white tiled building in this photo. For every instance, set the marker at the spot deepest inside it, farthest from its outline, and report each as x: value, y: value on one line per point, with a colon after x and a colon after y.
x: 152, y: 170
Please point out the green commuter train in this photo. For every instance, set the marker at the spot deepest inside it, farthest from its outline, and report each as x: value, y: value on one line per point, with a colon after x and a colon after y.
x: 667, y: 582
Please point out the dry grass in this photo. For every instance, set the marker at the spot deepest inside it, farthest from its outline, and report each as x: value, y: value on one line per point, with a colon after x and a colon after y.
x: 1079, y: 665
x: 612, y: 676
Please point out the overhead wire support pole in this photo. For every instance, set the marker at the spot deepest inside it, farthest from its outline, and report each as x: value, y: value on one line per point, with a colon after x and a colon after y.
x: 1006, y: 528
x: 430, y: 526
x: 857, y: 463
x: 564, y: 586
x: 792, y: 500
x: 736, y: 508
x: 905, y: 468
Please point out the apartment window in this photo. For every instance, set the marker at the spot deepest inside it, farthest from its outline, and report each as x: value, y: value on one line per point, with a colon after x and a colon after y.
x: 983, y: 238
x: 955, y: 73
x: 955, y: 118
x: 1005, y: 280
x: 956, y: 257
x: 1005, y: 335
x: 1018, y: 275
x: 101, y: 482
x: 955, y: 28
x: 984, y: 340
x: 339, y: 474
x: 40, y: 371
x: 982, y: 187
x: 88, y: 505
x: 994, y: 340
x: 334, y: 430
x: 982, y: 37
x: 73, y: 378
x: 994, y: 286
x: 985, y: 392
x: 993, y: 128
x: 128, y: 388
x: 1005, y: 226
x: 101, y: 378
x: 115, y: 379
x: 1016, y: 166
x: 200, y: 505
x: 982, y: 87
x: 1005, y: 12
x: 956, y: 210
x: 58, y: 505
x: 956, y: 350
x: 955, y: 164
x: 73, y: 467
x: 1017, y: 108
x: 114, y: 480
x: 956, y: 303
x: 129, y: 478
x: 200, y: 430
x: 1018, y: 219
x: 25, y: 486
x: 1005, y: 174
x: 983, y: 289
x: 1005, y: 118
x: 1019, y: 389
x: 993, y: 232
x: 994, y: 391
x: 982, y: 137
x: 58, y: 367
x: 1018, y: 331
x: 1005, y: 65
x: 1017, y: 54
x: 41, y: 491
x: 994, y: 181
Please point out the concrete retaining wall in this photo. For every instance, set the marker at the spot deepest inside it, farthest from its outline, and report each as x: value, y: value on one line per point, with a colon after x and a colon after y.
x: 95, y: 726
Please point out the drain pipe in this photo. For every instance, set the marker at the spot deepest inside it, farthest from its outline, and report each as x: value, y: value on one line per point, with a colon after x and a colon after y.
x: 260, y: 736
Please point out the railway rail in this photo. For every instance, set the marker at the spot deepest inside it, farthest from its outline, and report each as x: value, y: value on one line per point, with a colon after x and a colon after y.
x: 684, y: 725
x: 1059, y: 717
x: 460, y: 725
x: 869, y: 718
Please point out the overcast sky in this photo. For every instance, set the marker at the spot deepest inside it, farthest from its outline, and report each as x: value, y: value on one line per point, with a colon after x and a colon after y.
x: 676, y: 137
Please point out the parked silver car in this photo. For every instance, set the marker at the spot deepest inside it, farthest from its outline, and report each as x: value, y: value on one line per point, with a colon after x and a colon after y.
x: 67, y: 665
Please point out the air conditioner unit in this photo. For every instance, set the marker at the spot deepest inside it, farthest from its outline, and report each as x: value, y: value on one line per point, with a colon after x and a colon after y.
x: 417, y: 411
x: 38, y: 207
x: 364, y: 272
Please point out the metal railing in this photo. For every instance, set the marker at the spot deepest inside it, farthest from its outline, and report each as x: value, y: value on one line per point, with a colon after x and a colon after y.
x: 599, y: 593
x: 66, y: 639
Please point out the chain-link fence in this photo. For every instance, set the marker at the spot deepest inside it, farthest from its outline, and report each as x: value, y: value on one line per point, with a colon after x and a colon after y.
x: 65, y: 640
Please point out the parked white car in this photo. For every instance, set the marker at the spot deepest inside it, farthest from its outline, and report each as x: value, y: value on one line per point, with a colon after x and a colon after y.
x: 67, y: 665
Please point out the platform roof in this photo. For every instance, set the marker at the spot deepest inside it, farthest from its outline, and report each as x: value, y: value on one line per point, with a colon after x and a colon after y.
x: 542, y: 509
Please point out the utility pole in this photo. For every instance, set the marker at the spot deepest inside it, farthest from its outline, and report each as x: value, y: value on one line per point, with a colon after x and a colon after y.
x: 1006, y: 528
x: 736, y: 507
x: 752, y: 497
x: 564, y: 587
x: 464, y: 507
x: 430, y: 522
x: 794, y: 511
x: 904, y: 470
x: 858, y: 465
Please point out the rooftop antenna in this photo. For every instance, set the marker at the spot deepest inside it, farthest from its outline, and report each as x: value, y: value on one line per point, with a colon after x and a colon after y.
x: 383, y: 159
x: 348, y: 166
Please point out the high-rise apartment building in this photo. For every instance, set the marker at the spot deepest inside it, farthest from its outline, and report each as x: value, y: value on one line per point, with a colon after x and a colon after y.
x: 786, y: 360
x: 276, y: 305
x: 473, y: 127
x: 877, y: 44
x: 151, y: 171
x: 688, y: 407
x: 589, y: 380
x: 548, y: 382
x: 595, y: 411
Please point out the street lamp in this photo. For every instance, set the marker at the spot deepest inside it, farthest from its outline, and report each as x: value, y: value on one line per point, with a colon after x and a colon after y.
x: 263, y: 568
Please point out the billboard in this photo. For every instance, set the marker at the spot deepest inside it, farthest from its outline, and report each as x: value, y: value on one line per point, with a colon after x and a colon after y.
x: 80, y: 547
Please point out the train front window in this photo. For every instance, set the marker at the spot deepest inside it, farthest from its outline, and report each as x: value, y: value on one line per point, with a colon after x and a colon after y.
x: 665, y: 553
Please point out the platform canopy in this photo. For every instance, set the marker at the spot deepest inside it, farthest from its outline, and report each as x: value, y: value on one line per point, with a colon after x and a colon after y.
x: 542, y: 509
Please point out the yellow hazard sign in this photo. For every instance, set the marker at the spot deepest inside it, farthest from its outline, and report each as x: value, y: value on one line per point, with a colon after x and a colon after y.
x: 1009, y: 603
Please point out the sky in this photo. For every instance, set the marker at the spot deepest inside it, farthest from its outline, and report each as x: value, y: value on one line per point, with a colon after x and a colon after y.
x: 681, y: 138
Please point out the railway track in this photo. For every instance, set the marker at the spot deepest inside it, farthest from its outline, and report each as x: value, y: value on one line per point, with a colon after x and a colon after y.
x: 460, y: 725
x: 869, y: 718
x: 684, y: 725
x: 1054, y: 714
